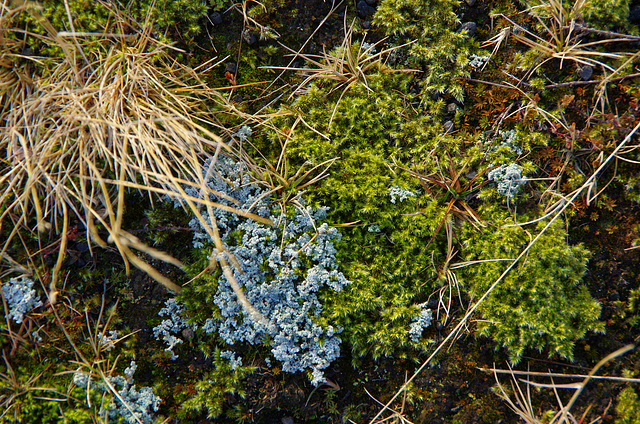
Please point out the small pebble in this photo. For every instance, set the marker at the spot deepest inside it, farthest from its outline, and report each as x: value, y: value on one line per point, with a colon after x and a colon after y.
x: 470, y: 2
x: 216, y: 18
x: 364, y: 9
x: 231, y: 67
x: 187, y: 333
x: 448, y: 127
x: 470, y: 27
x: 586, y: 72
x: 634, y: 15
x: 250, y: 37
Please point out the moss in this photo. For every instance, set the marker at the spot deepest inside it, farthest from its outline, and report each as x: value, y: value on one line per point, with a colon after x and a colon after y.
x: 628, y: 407
x: 383, y: 249
x: 212, y: 391
x: 540, y: 304
x: 609, y: 15
x: 441, y: 52
x: 172, y: 20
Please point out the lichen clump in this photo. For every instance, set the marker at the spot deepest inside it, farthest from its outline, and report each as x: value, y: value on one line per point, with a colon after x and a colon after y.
x: 281, y: 268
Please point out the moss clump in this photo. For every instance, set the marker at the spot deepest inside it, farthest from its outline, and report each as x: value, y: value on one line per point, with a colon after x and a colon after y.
x: 441, y: 51
x: 628, y: 407
x: 384, y: 235
x: 540, y: 304
x: 221, y: 381
x: 172, y: 20
x: 608, y: 15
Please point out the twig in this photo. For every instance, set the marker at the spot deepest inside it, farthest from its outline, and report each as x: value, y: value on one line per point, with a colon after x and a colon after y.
x: 75, y: 41
x: 53, y: 292
x: 595, y: 369
x: 495, y: 84
x: 627, y: 37
x: 96, y: 34
x: 579, y: 83
x: 553, y: 374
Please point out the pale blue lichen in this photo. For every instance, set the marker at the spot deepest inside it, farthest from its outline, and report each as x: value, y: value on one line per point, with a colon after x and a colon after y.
x: 132, y: 405
x: 422, y: 321
x: 170, y: 326
x: 478, y: 61
x: 399, y: 194
x: 243, y: 133
x: 368, y: 49
x: 504, y: 140
x: 20, y: 298
x: 129, y: 371
x: 507, y: 178
x: 234, y: 361
x: 107, y: 342
x: 373, y: 228
x: 281, y: 270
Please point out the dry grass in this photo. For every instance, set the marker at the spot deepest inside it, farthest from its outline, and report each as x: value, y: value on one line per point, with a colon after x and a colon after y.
x: 562, y: 38
x: 347, y: 64
x: 81, y: 133
x: 520, y: 400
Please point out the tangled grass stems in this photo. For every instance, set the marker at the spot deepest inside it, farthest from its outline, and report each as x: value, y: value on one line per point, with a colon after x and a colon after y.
x: 93, y: 363
x: 563, y: 42
x: 73, y: 146
x: 453, y: 333
x: 13, y: 387
x: 562, y: 38
x: 395, y: 417
x: 281, y: 180
x: 522, y: 405
x: 348, y: 64
x: 21, y: 387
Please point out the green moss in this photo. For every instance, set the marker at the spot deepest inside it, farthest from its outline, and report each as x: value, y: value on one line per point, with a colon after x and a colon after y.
x: 172, y: 20
x: 40, y: 394
x: 384, y: 245
x: 628, y: 407
x: 212, y: 390
x: 608, y: 15
x: 540, y: 304
x: 437, y: 48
